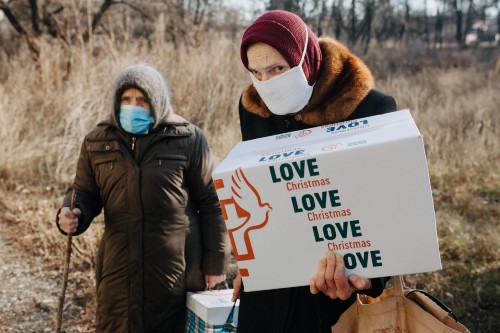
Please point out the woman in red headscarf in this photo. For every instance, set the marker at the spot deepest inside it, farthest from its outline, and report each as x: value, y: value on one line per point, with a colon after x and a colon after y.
x: 298, y: 82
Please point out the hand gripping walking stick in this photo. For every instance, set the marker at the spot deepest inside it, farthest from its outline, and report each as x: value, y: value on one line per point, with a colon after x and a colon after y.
x: 66, y: 271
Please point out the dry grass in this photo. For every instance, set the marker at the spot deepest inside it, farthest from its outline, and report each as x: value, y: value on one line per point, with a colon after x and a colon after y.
x: 455, y: 109
x: 46, y: 111
x: 50, y: 109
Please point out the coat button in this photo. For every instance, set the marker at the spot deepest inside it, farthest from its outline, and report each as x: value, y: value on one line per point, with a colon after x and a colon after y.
x: 88, y: 147
x: 107, y: 147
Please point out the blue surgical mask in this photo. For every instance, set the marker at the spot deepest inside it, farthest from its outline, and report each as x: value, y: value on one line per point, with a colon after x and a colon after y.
x: 135, y: 119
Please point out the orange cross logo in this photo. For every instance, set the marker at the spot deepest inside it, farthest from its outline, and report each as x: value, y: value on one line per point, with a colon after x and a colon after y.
x: 251, y: 214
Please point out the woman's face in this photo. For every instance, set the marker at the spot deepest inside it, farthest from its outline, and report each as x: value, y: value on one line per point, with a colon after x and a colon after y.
x: 133, y: 96
x: 265, y: 62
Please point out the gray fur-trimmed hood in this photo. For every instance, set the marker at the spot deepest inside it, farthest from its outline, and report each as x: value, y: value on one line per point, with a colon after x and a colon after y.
x: 153, y: 85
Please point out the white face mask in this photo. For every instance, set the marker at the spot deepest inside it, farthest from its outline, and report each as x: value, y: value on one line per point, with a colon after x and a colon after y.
x: 288, y: 92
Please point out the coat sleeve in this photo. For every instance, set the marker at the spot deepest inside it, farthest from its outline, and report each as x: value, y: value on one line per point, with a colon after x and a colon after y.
x: 88, y: 198
x: 215, y: 240
x: 375, y: 103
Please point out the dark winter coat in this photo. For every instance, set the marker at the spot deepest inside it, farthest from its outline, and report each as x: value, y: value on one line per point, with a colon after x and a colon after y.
x: 344, y: 91
x: 161, y: 215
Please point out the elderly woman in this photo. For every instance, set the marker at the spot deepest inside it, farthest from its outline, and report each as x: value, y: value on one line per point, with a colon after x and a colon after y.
x: 298, y: 82
x: 150, y: 170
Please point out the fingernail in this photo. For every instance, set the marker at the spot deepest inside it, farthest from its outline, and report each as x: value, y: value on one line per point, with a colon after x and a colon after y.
x: 329, y: 256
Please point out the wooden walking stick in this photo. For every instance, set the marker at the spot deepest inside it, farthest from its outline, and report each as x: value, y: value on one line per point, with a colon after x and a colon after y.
x: 66, y: 271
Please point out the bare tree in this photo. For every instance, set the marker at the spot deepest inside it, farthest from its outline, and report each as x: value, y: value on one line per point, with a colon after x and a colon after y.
x: 49, y: 19
x: 439, y: 25
x: 407, y: 22
x: 25, y: 37
x: 184, y: 21
x: 457, y: 6
x: 321, y: 18
x: 276, y: 4
x: 469, y: 20
x: 352, y: 32
x: 367, y: 23
x: 294, y: 6
x: 105, y: 6
x: 337, y: 17
x: 34, y: 17
x: 497, y: 4
x: 426, y: 24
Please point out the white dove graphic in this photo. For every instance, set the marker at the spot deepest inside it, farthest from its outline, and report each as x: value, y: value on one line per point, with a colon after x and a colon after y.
x: 248, y: 200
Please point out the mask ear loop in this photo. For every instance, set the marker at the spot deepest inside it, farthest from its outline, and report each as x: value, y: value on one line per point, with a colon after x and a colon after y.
x: 305, y: 47
x: 302, y: 61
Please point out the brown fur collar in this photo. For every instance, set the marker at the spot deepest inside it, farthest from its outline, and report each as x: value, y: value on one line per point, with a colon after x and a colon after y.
x: 343, y: 82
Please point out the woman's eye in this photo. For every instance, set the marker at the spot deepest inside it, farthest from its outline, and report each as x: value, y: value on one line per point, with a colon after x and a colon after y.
x: 257, y: 75
x: 278, y: 70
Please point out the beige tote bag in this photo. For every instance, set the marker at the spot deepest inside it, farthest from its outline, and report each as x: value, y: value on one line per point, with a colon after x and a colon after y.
x: 398, y: 310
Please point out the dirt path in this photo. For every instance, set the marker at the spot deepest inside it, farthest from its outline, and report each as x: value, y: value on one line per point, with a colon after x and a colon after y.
x: 27, y: 297
x: 31, y: 270
x: 29, y: 293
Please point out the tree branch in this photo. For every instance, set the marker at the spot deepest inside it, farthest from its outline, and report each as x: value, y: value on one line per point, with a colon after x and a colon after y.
x: 32, y: 46
x: 100, y: 13
x: 137, y: 9
x: 34, y: 17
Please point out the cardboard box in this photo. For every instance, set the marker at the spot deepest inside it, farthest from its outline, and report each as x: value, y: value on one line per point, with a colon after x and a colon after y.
x: 213, y: 306
x: 360, y: 188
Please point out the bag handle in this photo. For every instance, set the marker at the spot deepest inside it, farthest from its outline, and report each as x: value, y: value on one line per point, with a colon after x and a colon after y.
x: 435, y: 300
x: 399, y: 285
x: 230, y: 318
x: 399, y: 290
